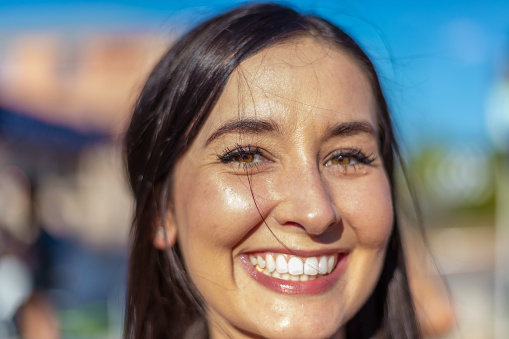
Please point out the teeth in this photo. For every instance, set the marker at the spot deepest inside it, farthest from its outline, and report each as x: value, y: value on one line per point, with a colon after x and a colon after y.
x: 270, y: 262
x: 261, y: 261
x: 322, y: 265
x: 311, y: 266
x: 253, y: 260
x: 296, y: 268
x: 330, y: 264
x: 281, y: 264
x: 285, y: 276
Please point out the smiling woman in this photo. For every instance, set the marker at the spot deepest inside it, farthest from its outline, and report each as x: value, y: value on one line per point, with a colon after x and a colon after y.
x: 261, y: 157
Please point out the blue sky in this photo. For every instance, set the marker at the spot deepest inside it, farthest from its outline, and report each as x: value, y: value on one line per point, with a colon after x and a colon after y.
x: 439, y: 60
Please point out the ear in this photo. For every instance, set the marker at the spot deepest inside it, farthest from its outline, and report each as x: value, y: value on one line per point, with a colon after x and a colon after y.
x: 165, y: 236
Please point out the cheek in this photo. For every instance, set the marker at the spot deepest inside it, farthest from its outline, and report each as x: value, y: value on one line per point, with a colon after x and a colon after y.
x: 370, y: 212
x: 214, y: 212
x: 368, y: 219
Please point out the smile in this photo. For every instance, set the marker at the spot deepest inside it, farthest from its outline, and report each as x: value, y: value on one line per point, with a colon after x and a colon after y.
x: 291, y: 267
x: 292, y: 274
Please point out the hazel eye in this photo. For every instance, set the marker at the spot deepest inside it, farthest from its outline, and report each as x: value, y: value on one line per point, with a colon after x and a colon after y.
x: 242, y: 156
x: 348, y: 157
x: 341, y: 160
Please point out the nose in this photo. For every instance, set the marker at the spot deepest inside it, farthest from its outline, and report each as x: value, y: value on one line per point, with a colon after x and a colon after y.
x: 306, y: 201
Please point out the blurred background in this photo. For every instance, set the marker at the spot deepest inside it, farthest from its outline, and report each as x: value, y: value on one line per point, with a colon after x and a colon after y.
x: 70, y: 72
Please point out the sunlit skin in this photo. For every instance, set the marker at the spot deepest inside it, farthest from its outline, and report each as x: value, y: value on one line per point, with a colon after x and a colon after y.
x: 318, y: 183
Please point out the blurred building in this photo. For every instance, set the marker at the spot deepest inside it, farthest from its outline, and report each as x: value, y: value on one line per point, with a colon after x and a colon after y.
x: 86, y: 82
x: 65, y: 208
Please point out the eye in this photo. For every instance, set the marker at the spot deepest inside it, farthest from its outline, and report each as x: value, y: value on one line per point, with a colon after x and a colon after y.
x: 348, y: 157
x: 245, y: 157
x: 242, y: 155
x: 340, y: 160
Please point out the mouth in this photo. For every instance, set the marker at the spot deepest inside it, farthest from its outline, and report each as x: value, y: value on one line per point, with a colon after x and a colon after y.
x: 294, y: 268
x: 292, y: 274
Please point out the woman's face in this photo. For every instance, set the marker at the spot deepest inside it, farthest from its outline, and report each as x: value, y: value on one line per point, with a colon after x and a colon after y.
x: 282, y: 206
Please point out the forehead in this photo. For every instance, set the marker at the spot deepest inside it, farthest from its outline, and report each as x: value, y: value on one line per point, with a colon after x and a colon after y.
x: 295, y: 81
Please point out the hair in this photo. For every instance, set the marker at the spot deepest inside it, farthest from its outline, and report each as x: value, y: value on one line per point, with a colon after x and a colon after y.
x: 181, y: 91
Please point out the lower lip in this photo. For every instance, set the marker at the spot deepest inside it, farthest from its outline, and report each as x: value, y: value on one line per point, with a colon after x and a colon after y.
x: 316, y: 286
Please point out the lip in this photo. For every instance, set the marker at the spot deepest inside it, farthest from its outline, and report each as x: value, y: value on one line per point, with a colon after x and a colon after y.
x: 316, y: 286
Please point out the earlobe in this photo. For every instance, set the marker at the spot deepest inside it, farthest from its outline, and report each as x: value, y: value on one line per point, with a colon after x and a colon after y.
x: 165, y: 236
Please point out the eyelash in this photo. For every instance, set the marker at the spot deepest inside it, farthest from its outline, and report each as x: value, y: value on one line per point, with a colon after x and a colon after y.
x: 354, y: 156
x: 228, y: 156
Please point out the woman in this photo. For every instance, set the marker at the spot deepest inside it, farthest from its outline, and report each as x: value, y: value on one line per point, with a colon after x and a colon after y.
x: 261, y: 156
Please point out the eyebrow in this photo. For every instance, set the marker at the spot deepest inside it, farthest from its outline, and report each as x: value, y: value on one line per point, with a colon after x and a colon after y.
x: 253, y: 126
x: 250, y: 126
x: 351, y: 128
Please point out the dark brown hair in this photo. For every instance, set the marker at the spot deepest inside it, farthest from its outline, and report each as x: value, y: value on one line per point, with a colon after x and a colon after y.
x: 162, y: 301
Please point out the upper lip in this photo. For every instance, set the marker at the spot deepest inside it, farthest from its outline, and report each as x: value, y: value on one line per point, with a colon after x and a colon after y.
x: 300, y: 253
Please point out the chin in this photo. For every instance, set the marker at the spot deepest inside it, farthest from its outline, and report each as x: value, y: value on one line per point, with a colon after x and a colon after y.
x: 298, y: 324
x: 299, y: 331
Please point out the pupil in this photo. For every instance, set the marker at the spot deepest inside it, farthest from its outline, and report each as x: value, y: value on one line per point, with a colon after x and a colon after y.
x: 246, y: 157
x: 342, y: 160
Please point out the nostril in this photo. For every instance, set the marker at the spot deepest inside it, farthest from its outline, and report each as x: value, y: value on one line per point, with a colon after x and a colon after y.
x: 294, y: 224
x: 332, y: 234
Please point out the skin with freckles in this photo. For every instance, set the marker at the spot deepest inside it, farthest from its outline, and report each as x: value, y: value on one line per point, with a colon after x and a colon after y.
x: 287, y: 161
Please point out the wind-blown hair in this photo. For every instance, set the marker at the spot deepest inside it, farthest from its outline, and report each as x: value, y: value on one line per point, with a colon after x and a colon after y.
x: 162, y: 301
